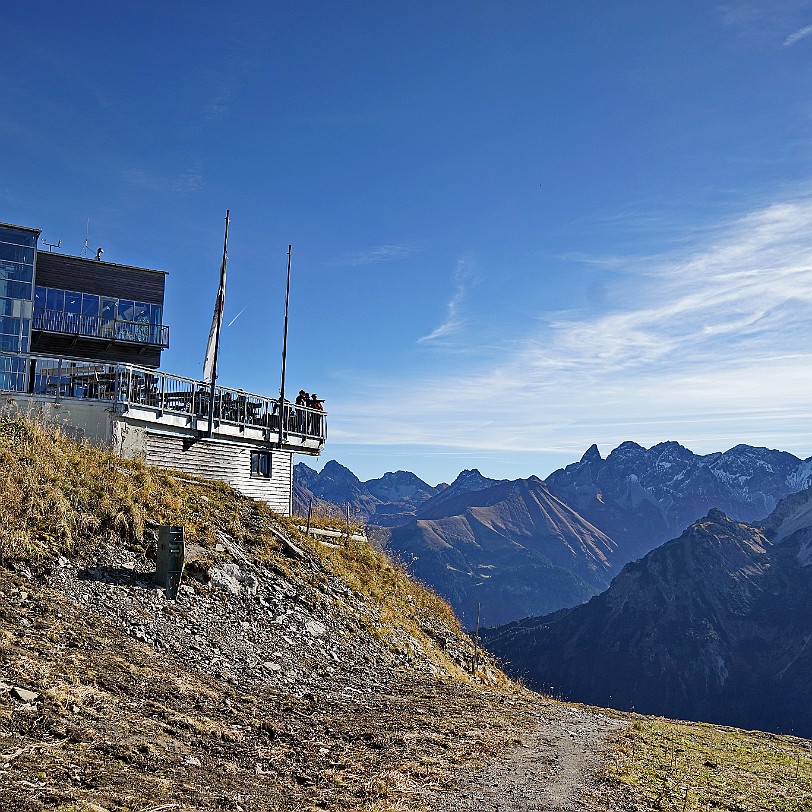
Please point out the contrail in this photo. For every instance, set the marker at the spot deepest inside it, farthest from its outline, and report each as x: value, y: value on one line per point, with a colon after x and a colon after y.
x: 237, y: 316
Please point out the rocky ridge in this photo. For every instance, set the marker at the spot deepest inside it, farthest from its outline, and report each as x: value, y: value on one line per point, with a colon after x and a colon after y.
x: 642, y: 497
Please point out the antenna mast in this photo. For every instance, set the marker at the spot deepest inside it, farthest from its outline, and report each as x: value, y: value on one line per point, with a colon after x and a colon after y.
x: 86, y: 247
x: 282, y: 410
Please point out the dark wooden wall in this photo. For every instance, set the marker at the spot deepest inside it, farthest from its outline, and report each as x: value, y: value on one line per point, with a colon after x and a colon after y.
x: 101, y: 278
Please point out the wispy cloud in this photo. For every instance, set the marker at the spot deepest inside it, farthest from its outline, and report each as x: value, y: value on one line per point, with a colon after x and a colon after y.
x: 800, y: 34
x: 712, y: 347
x: 377, y: 254
x: 183, y: 183
x: 453, y: 319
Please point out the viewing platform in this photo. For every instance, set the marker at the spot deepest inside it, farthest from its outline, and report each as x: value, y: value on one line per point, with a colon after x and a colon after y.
x: 158, y: 398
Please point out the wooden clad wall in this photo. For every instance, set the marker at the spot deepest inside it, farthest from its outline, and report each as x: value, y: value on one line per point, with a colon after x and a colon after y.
x: 227, y: 462
x: 102, y: 278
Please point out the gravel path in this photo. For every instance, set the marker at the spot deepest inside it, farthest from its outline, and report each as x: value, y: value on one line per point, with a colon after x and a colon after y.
x: 555, y: 769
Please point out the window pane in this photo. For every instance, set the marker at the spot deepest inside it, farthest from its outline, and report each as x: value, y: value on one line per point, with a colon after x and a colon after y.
x: 39, y: 297
x: 126, y: 310
x: 90, y: 304
x: 73, y: 302
x: 261, y: 464
x: 15, y: 290
x: 155, y: 314
x: 54, y: 299
x: 18, y: 236
x: 9, y: 307
x: 16, y: 253
x: 108, y: 309
x: 9, y: 325
x: 10, y: 343
x: 141, y: 313
x: 19, y: 273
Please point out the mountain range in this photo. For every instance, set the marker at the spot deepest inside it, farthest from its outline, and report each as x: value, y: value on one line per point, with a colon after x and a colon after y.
x: 529, y: 547
x: 715, y: 625
x: 509, y: 547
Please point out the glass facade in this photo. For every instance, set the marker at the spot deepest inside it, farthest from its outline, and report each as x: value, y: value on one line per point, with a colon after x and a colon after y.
x: 17, y: 256
x: 67, y: 311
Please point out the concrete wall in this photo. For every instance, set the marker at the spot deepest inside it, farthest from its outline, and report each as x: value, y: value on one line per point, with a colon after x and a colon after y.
x: 83, y: 419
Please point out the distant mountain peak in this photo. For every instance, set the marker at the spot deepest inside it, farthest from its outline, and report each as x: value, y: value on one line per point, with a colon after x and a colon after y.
x: 716, y: 515
x: 592, y: 454
x: 471, y: 479
x: 336, y: 471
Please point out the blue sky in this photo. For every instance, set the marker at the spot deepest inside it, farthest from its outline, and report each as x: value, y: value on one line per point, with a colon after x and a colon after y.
x: 518, y: 228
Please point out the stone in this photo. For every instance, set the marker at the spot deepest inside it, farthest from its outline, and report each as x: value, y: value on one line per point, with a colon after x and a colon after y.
x: 226, y: 578
x: 314, y: 628
x: 24, y: 695
x: 191, y: 761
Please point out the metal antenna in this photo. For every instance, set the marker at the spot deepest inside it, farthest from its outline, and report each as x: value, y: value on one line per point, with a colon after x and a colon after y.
x: 86, y: 248
x: 51, y: 245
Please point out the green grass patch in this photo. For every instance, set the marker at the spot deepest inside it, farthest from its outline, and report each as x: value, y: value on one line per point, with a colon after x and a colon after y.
x: 694, y: 766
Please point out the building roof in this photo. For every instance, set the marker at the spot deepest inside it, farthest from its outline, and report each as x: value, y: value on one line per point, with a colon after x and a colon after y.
x: 22, y: 228
x: 101, y: 262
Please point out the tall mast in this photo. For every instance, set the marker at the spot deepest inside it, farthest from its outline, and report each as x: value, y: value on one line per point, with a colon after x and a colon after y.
x: 282, y: 414
x: 218, y: 317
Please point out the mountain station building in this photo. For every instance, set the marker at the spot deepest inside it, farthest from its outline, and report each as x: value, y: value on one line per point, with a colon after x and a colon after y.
x: 80, y: 344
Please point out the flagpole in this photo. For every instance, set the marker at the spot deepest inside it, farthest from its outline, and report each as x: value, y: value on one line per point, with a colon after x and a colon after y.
x: 220, y: 306
x: 282, y: 415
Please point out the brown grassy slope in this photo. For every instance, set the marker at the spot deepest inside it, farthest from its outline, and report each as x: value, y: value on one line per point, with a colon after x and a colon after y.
x: 63, y: 497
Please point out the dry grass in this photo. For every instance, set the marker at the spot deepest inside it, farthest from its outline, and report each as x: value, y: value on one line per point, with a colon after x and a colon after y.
x: 405, y: 615
x: 327, y: 516
x: 62, y: 496
x: 693, y: 767
x: 58, y: 494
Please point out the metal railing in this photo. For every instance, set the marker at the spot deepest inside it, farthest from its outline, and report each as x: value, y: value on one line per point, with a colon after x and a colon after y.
x: 130, y: 385
x: 78, y: 324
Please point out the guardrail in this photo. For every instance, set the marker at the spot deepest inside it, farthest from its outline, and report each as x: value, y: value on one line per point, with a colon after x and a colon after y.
x: 130, y: 385
x: 78, y: 324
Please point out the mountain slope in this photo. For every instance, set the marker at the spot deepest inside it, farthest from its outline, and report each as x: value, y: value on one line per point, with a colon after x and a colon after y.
x: 510, y: 547
x: 714, y: 625
x: 286, y: 675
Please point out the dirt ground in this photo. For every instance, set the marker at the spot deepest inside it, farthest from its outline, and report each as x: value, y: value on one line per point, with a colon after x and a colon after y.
x: 557, y: 768
x: 118, y: 724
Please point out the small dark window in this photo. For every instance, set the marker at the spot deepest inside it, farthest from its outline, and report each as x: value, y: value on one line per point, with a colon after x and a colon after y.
x: 261, y: 464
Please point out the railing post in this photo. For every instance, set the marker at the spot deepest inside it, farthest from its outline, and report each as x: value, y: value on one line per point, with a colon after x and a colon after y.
x: 59, y: 381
